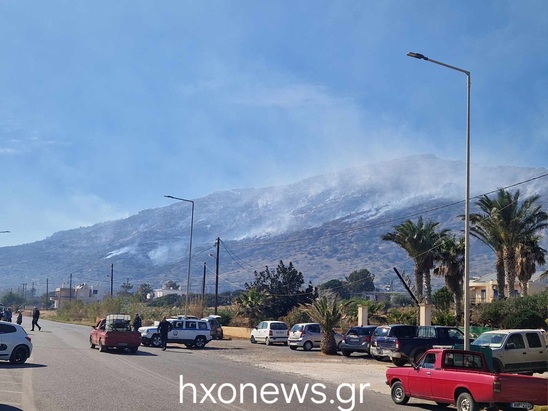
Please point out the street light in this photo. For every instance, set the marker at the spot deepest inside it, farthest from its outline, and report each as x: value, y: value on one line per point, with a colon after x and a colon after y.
x: 189, y: 249
x: 467, y: 201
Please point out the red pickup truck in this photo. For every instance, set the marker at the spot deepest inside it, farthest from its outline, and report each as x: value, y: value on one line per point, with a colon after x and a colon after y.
x: 114, y: 331
x: 462, y: 378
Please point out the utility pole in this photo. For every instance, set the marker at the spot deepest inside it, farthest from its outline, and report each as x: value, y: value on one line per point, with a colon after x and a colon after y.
x: 218, y: 242
x: 70, y: 288
x: 111, y: 280
x: 47, y: 293
x: 203, y: 289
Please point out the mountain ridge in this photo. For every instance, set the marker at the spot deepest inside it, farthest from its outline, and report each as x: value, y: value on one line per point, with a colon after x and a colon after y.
x: 327, y: 225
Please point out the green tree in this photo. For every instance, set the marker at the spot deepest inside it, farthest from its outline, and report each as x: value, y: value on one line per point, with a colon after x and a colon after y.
x: 335, y: 286
x: 252, y: 304
x: 360, y: 281
x: 503, y: 223
x: 171, y: 285
x: 529, y: 253
x: 450, y: 265
x: 328, y: 312
x: 284, y: 287
x: 143, y: 290
x: 442, y: 299
x: 10, y: 299
x: 420, y: 242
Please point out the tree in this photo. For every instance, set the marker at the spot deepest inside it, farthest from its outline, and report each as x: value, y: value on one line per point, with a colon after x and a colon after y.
x: 171, y: 285
x: 442, y: 299
x: 528, y: 254
x: 335, y: 286
x: 327, y: 312
x: 420, y: 241
x: 504, y: 223
x: 143, y: 290
x: 284, y: 287
x: 10, y: 299
x: 126, y: 289
x: 360, y: 281
x: 252, y: 304
x: 450, y: 259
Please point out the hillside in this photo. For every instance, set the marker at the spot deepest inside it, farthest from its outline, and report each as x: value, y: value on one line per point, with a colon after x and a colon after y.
x: 328, y: 226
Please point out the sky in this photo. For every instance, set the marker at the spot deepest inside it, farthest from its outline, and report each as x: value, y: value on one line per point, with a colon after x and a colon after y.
x: 105, y: 107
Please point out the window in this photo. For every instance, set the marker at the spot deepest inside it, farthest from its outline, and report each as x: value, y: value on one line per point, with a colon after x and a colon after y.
x: 515, y: 342
x: 202, y: 326
x: 429, y: 360
x: 191, y: 324
x: 7, y: 329
x: 426, y: 332
x: 533, y: 340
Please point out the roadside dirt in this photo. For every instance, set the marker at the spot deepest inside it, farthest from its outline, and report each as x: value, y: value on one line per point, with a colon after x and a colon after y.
x: 356, y: 369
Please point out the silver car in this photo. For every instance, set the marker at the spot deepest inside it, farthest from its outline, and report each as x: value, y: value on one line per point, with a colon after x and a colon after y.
x: 308, y: 336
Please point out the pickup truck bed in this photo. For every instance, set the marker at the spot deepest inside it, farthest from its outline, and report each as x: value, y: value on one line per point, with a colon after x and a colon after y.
x: 114, y: 331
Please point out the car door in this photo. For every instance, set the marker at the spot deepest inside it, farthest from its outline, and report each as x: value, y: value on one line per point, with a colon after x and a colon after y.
x: 188, y: 333
x: 261, y: 331
x: 176, y: 333
x: 420, y: 381
x: 515, y: 355
x: 315, y: 334
x: 537, y: 351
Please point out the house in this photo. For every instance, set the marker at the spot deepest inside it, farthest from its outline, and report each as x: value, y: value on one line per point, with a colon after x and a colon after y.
x: 162, y: 292
x: 90, y: 293
x: 484, y: 289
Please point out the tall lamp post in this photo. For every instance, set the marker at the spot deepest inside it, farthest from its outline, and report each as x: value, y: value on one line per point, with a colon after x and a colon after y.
x: 189, y: 249
x: 466, y: 203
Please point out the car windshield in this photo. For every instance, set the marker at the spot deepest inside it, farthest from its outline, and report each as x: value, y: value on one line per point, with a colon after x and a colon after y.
x: 296, y: 328
x: 490, y: 340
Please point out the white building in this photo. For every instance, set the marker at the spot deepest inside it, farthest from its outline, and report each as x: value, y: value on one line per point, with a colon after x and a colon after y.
x: 162, y: 292
x: 90, y: 293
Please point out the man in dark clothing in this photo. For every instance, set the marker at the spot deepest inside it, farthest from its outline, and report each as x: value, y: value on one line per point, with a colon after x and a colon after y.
x: 164, y: 328
x: 35, y: 318
x: 137, y: 322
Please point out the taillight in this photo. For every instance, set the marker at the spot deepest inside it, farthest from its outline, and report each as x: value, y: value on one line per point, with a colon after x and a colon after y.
x: 28, y: 338
x: 270, y: 333
x: 397, y: 345
x: 497, y: 386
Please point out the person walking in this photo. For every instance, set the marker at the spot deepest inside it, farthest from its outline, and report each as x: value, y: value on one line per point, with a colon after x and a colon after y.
x: 137, y: 322
x: 35, y: 318
x: 19, y: 317
x: 164, y: 328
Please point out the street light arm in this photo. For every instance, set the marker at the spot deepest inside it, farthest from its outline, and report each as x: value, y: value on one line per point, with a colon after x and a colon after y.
x: 423, y: 57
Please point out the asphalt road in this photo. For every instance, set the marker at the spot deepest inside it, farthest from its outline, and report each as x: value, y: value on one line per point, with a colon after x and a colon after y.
x: 63, y: 373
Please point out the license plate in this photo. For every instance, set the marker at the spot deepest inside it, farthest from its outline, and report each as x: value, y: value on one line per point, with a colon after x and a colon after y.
x: 122, y: 344
x: 524, y: 405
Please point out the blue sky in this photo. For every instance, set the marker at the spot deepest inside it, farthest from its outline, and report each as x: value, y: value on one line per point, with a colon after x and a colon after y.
x: 105, y: 106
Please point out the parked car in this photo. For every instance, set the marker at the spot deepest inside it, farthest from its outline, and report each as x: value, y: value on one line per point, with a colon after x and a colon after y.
x: 523, y: 351
x: 270, y: 332
x: 190, y: 332
x: 462, y: 378
x: 15, y: 344
x: 357, y: 339
x: 216, y: 327
x: 308, y: 336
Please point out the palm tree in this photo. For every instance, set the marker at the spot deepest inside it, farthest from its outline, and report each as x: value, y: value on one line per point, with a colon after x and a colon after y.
x: 251, y: 304
x: 503, y: 224
x: 328, y: 312
x: 528, y: 254
x: 450, y: 258
x: 420, y: 241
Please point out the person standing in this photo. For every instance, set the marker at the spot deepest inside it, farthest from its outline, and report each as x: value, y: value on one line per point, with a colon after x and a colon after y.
x: 164, y: 328
x: 7, y: 315
x: 19, y: 317
x: 137, y: 322
x: 35, y: 318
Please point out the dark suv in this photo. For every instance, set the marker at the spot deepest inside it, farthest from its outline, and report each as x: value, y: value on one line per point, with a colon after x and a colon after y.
x: 357, y: 339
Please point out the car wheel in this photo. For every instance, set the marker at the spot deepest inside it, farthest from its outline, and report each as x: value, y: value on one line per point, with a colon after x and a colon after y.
x: 19, y: 355
x: 133, y: 350
x: 293, y: 347
x: 102, y: 348
x: 307, y: 346
x: 399, y: 362
x: 91, y: 345
x: 200, y: 341
x: 253, y: 340
x: 397, y: 392
x: 346, y: 353
x: 267, y: 341
x: 465, y: 402
x: 156, y: 340
x: 497, y: 366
